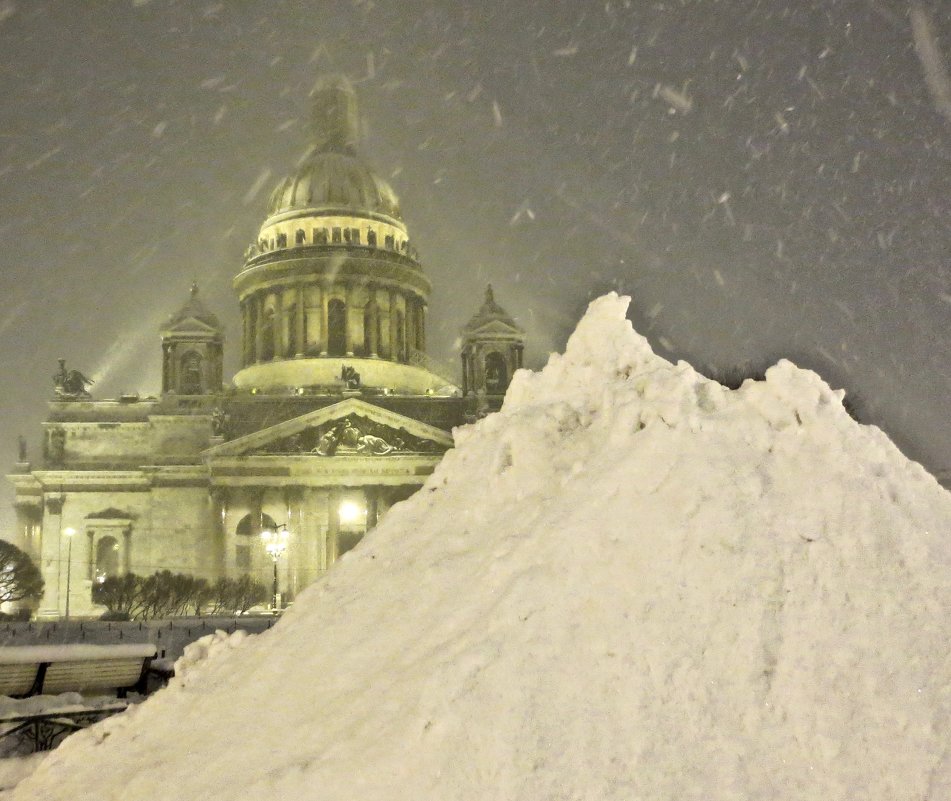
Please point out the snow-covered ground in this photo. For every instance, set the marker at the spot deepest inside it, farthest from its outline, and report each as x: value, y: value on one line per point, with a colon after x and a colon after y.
x: 631, y: 583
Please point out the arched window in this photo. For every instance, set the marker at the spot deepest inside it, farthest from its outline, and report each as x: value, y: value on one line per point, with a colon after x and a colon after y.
x: 107, y: 558
x: 336, y: 327
x: 300, y: 237
x: 496, y: 373
x: 248, y: 533
x: 191, y: 383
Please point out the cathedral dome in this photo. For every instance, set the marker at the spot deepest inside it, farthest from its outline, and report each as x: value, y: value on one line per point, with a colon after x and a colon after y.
x: 338, y: 180
x: 333, y: 176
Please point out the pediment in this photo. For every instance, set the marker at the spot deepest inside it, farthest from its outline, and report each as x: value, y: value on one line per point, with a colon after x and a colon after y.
x: 109, y: 514
x: 351, y: 427
x: 495, y: 328
x: 190, y: 325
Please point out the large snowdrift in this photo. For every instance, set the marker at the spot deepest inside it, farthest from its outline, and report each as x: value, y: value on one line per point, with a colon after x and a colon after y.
x: 631, y: 583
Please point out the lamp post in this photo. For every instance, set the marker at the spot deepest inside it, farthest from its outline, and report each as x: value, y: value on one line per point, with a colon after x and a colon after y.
x: 275, y: 543
x: 69, y: 532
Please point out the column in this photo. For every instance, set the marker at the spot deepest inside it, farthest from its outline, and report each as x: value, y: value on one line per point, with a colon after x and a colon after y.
x: 219, y: 513
x: 255, y: 497
x: 301, y: 322
x: 91, y: 555
x: 394, y: 348
x: 278, y: 328
x: 54, y: 555
x: 372, y: 495
x: 258, y: 326
x: 373, y: 317
x: 324, y: 315
x: 409, y: 326
x: 333, y: 525
x: 244, y: 334
x: 127, y: 550
x: 422, y: 327
x: 348, y: 324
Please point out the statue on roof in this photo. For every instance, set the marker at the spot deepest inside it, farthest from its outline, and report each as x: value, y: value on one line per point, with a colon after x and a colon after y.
x: 350, y: 377
x: 70, y: 384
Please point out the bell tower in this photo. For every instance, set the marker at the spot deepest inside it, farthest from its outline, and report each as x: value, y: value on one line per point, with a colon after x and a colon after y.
x: 492, y: 348
x: 192, y: 350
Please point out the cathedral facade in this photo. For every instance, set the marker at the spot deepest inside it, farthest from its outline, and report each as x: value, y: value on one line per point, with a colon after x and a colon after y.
x: 336, y: 414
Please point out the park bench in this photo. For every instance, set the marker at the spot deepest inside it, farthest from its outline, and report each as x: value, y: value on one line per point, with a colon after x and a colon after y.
x: 92, y: 670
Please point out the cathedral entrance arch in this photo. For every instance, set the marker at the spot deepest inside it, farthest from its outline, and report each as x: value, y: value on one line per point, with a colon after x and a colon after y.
x: 247, y: 534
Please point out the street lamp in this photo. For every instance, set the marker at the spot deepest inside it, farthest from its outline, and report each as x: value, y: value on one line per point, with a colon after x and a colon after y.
x: 69, y: 532
x: 275, y: 543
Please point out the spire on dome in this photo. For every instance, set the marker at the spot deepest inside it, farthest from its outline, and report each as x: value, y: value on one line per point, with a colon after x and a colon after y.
x: 335, y: 122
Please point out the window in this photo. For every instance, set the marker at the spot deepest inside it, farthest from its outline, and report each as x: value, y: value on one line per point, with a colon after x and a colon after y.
x: 371, y: 238
x: 320, y: 236
x: 355, y: 236
x: 496, y: 373
x: 388, y: 242
x: 190, y: 382
x: 336, y: 235
x: 107, y: 558
x: 300, y: 237
x: 282, y: 240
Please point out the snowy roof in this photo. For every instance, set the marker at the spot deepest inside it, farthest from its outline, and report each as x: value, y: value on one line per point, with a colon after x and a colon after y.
x: 490, y: 312
x: 193, y: 311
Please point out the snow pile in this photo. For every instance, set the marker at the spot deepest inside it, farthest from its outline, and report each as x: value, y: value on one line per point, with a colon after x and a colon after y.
x: 631, y: 583
x: 197, y: 654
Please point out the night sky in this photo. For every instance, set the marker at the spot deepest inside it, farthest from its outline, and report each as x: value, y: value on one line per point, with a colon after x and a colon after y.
x: 768, y: 178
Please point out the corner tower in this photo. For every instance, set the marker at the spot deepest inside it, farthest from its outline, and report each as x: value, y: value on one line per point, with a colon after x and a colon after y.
x: 191, y: 350
x: 332, y: 281
x: 492, y: 348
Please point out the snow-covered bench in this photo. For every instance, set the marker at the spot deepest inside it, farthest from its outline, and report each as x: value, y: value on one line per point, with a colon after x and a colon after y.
x: 90, y: 669
x: 50, y: 681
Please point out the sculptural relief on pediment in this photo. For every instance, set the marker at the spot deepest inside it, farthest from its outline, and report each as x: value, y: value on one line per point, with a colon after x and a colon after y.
x: 352, y: 435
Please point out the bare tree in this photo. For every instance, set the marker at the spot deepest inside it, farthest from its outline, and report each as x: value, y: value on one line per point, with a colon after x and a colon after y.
x: 20, y: 579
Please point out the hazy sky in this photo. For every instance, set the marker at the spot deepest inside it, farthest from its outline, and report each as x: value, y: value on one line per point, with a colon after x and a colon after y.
x: 767, y: 178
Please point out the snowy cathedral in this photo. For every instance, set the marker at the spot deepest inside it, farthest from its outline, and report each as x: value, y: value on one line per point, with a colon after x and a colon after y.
x: 336, y: 414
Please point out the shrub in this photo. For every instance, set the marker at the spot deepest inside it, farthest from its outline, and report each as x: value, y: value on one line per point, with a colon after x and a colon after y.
x: 167, y: 594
